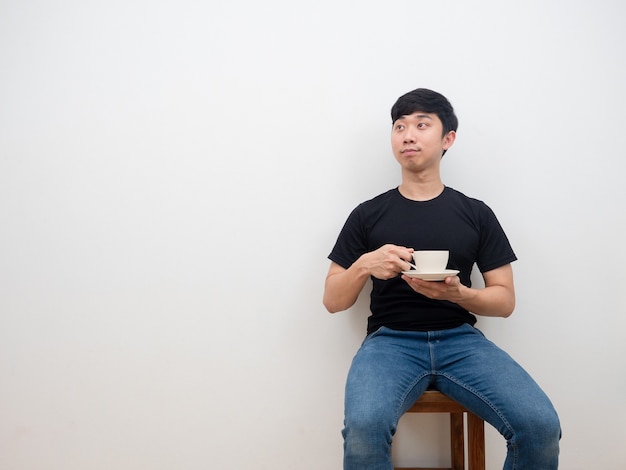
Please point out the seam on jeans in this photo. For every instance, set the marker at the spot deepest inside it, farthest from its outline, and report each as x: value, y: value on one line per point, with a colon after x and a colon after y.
x: 408, y: 391
x: 510, y: 442
x: 484, y: 399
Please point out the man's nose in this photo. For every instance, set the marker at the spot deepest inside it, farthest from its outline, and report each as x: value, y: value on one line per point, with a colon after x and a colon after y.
x: 409, y: 137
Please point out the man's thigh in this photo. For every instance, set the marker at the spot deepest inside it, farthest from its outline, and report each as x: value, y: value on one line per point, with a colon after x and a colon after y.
x: 488, y: 381
x: 389, y: 372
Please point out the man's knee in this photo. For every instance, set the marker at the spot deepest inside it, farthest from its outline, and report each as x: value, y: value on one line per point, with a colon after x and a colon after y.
x: 539, y: 430
x: 370, y: 426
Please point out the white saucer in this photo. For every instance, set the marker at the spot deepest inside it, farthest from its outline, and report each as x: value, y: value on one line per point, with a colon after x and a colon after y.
x: 432, y: 276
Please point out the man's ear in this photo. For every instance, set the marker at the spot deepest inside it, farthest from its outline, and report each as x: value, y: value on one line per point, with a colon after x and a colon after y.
x: 448, y: 140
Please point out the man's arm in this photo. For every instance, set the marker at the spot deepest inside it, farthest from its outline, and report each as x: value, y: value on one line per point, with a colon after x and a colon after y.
x: 497, y: 299
x: 343, y: 286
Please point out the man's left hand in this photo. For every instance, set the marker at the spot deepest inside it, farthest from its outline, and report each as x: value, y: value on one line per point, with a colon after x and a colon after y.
x: 449, y: 289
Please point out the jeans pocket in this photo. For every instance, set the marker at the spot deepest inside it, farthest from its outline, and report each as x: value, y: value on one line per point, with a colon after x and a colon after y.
x: 373, y: 334
x: 473, y: 329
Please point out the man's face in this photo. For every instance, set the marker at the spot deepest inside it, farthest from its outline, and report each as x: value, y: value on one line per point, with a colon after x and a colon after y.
x: 417, y: 141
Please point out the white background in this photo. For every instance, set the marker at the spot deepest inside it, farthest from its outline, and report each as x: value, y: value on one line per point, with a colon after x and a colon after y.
x: 173, y: 175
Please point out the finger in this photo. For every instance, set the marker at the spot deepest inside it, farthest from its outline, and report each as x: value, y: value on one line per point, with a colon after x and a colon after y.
x: 402, y: 252
x: 415, y: 283
x: 406, y: 266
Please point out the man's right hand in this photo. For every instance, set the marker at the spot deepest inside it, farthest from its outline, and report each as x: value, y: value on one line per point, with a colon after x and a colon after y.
x: 387, y: 261
x: 343, y: 286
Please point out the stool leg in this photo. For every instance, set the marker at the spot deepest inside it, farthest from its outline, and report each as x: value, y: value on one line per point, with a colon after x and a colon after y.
x: 476, y: 442
x: 457, y: 447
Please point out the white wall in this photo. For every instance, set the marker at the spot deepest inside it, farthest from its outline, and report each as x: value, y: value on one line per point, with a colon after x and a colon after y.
x: 174, y: 174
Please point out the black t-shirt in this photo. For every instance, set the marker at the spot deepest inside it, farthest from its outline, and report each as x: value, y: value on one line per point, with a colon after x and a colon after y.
x: 466, y: 227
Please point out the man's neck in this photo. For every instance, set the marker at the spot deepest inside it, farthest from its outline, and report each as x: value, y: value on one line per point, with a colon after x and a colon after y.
x: 421, y: 191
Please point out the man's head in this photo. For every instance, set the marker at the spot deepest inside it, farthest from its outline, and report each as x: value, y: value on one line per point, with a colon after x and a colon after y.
x: 423, y: 121
x: 426, y: 101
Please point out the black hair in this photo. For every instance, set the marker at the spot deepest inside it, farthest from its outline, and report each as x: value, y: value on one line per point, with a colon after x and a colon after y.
x: 426, y: 101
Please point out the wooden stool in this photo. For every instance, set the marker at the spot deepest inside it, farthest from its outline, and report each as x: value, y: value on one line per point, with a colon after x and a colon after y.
x: 433, y: 401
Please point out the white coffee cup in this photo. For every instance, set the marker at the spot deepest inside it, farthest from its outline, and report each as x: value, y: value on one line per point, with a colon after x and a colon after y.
x: 431, y: 261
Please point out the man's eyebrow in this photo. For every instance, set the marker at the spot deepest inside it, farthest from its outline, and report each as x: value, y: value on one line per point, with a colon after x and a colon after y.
x: 417, y: 115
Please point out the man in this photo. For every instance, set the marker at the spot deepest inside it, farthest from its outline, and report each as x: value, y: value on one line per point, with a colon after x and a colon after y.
x: 421, y: 334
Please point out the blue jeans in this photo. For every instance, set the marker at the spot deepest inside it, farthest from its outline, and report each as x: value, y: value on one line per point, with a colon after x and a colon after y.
x: 393, y: 368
